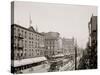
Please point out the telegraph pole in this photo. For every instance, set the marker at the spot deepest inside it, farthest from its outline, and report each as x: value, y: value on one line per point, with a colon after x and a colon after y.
x: 76, y: 55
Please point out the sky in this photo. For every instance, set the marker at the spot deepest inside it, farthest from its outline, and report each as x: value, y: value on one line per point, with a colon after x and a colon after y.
x: 69, y: 20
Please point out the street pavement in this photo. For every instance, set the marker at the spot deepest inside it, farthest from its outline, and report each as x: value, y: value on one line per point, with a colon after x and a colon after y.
x: 68, y: 66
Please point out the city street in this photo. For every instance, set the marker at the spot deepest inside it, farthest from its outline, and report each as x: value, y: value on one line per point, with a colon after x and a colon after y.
x: 68, y: 66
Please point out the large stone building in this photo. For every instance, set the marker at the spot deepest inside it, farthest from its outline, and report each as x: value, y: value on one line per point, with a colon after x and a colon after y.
x: 26, y: 42
x: 68, y: 46
x: 52, y: 44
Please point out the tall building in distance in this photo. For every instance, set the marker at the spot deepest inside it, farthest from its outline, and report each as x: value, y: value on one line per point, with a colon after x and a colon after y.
x: 68, y: 46
x: 92, y: 25
x: 26, y: 42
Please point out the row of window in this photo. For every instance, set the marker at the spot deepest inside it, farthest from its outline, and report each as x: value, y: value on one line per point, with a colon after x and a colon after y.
x: 50, y: 47
x: 50, y: 52
x: 25, y: 43
x: 25, y: 54
x: 25, y: 33
x: 50, y: 42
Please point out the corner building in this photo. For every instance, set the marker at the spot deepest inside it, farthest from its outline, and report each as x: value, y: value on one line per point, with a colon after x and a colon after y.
x: 26, y: 43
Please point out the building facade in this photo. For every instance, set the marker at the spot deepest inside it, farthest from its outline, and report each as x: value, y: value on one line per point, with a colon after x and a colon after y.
x: 26, y: 43
x: 54, y: 44
x: 68, y: 46
x: 92, y: 51
x: 92, y: 25
x: 51, y: 43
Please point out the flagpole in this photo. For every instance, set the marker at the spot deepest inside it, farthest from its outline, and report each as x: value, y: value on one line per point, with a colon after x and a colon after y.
x: 76, y: 55
x: 30, y: 21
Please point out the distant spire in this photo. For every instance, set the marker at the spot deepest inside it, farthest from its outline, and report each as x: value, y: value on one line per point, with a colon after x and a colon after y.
x: 30, y: 21
x: 36, y: 28
x: 76, y: 42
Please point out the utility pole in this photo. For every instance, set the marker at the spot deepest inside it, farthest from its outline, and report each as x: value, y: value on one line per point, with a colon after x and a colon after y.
x: 76, y: 55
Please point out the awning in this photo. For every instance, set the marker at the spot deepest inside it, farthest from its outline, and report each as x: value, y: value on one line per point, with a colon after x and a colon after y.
x: 16, y: 63
x: 58, y: 55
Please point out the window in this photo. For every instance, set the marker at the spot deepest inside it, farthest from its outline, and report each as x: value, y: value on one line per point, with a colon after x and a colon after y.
x: 29, y: 43
x: 51, y: 47
x: 25, y: 34
x: 25, y: 54
x: 47, y: 42
x: 18, y: 54
x: 30, y: 54
x: 48, y: 47
x: 36, y: 37
x: 18, y: 31
x: 32, y: 36
x: 21, y: 54
x: 14, y: 31
x: 35, y: 44
x: 22, y: 32
x: 29, y: 35
x: 25, y: 43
